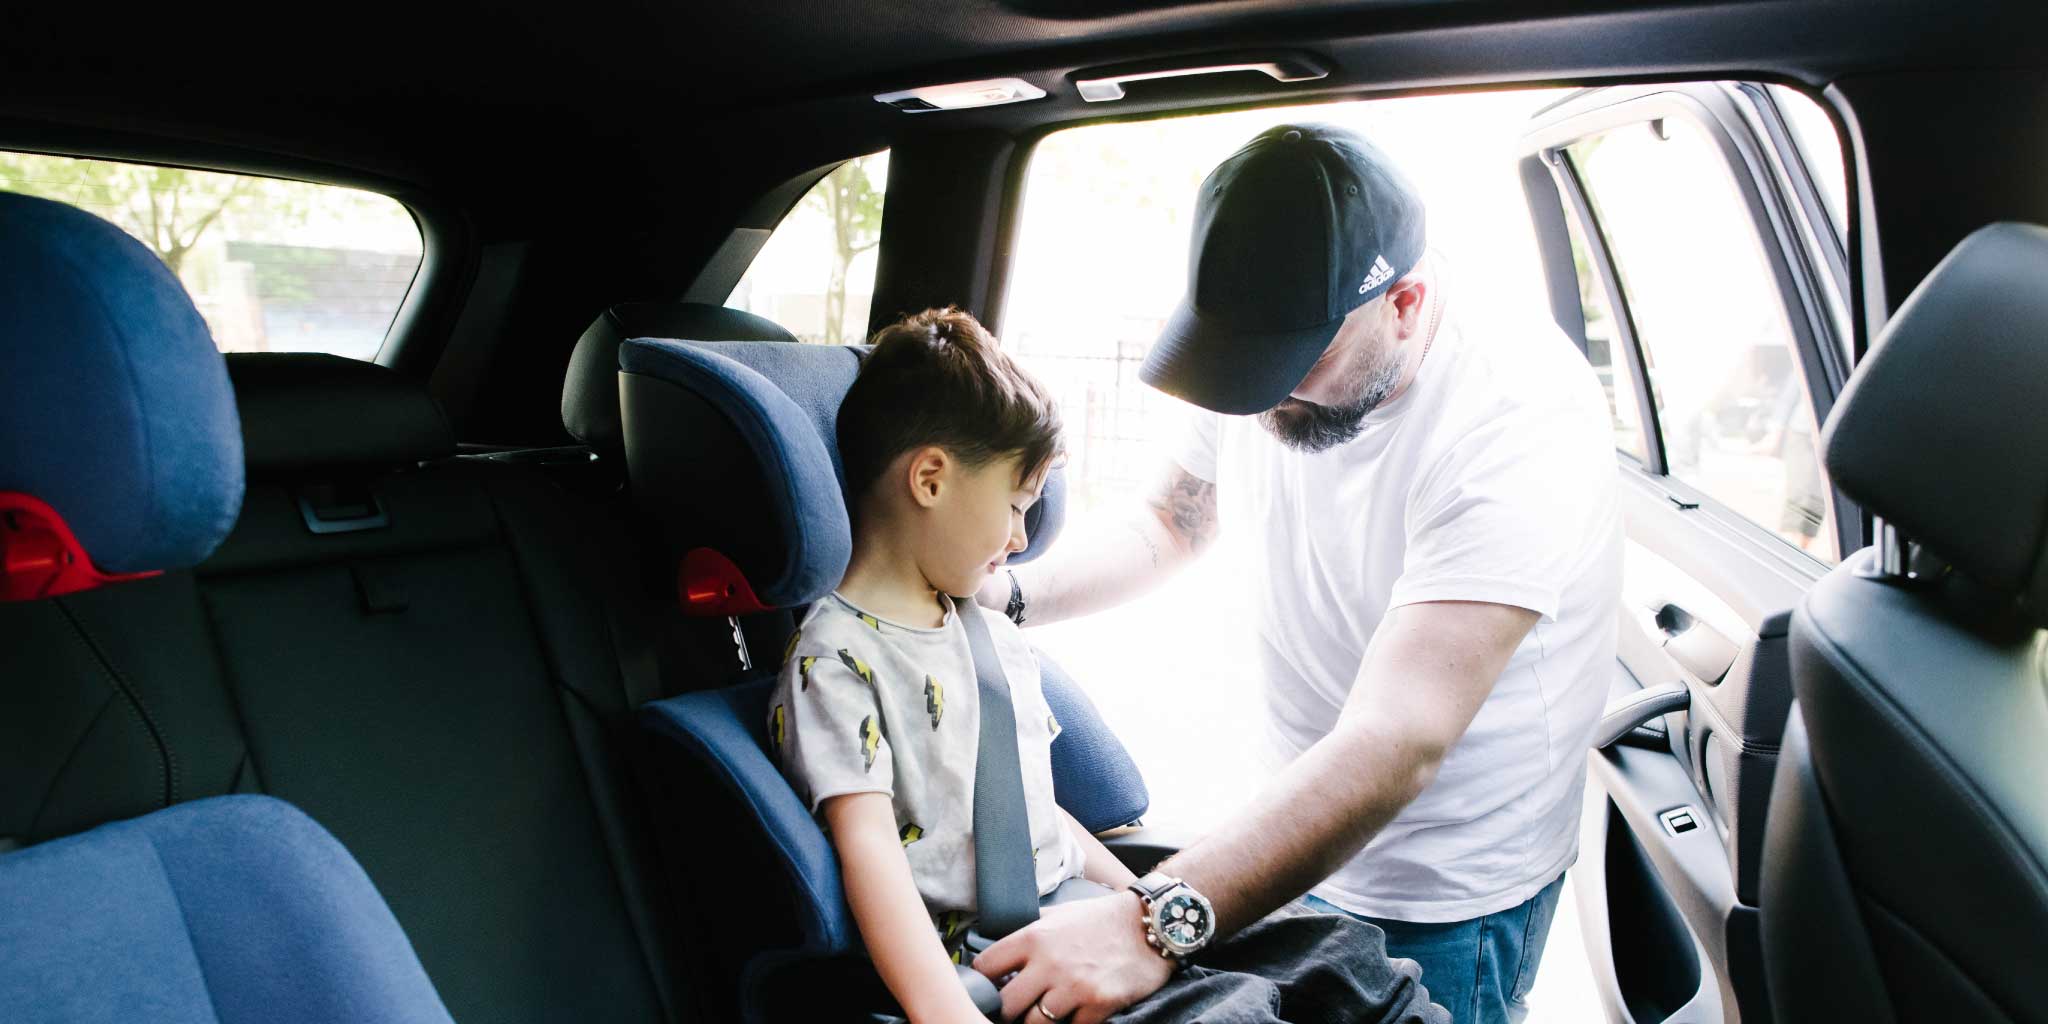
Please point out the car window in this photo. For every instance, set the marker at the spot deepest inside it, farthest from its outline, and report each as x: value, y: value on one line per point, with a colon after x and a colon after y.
x: 1730, y: 393
x: 1819, y: 150
x: 816, y: 274
x: 273, y: 265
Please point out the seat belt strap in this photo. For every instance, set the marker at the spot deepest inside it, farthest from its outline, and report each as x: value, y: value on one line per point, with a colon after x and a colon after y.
x: 1005, y: 879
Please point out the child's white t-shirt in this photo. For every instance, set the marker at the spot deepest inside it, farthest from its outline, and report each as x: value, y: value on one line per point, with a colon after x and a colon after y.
x: 865, y: 705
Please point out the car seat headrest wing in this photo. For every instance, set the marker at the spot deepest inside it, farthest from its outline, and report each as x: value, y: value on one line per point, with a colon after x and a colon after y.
x: 731, y: 448
x: 590, y: 390
x: 120, y: 446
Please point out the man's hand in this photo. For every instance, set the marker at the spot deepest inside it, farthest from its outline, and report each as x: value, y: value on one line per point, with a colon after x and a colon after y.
x: 1083, y: 961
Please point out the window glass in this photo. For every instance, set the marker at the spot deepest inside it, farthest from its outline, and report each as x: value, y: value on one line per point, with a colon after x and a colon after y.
x: 1101, y: 259
x: 816, y: 275
x: 1730, y: 392
x: 1604, y: 350
x: 1819, y: 148
x: 274, y: 266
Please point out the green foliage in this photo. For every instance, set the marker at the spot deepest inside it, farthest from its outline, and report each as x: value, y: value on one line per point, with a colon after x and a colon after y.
x: 168, y: 208
x: 852, y: 202
x: 283, y: 272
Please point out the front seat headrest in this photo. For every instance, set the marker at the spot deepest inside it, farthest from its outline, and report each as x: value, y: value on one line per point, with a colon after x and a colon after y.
x: 732, y: 447
x: 1943, y: 427
x: 311, y: 413
x: 120, y: 449
x: 590, y: 391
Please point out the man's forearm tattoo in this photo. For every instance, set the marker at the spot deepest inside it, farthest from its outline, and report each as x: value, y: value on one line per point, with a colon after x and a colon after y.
x: 1151, y: 546
x: 1189, y: 508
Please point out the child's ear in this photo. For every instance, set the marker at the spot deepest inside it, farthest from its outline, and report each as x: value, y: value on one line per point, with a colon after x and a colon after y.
x: 928, y: 470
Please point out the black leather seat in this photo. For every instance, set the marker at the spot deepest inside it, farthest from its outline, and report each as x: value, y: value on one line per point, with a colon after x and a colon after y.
x: 1906, y: 862
x: 590, y: 390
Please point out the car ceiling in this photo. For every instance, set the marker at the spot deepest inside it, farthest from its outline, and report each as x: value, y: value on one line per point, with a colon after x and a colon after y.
x: 599, y: 96
x: 578, y: 154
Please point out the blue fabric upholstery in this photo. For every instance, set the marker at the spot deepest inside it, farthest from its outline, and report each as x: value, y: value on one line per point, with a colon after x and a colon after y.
x: 719, y: 731
x: 783, y: 400
x: 718, y: 734
x: 234, y: 910
x: 817, y: 377
x: 114, y: 404
x: 807, y: 536
x: 1044, y: 519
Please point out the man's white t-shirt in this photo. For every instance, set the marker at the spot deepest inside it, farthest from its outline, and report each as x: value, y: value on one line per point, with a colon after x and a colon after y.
x: 1492, y: 478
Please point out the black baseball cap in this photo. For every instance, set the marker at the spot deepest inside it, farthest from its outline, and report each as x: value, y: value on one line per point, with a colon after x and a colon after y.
x: 1303, y: 225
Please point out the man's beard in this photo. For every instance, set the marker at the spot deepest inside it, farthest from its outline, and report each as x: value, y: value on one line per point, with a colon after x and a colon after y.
x: 1311, y: 428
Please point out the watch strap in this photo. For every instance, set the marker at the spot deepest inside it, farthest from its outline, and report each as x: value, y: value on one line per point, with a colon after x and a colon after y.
x: 1015, y: 611
x: 1154, y: 883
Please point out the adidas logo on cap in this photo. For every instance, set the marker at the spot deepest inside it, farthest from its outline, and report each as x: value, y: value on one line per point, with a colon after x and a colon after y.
x: 1380, y: 273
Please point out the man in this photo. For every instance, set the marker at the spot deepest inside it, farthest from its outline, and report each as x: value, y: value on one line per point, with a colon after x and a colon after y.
x: 1432, y: 498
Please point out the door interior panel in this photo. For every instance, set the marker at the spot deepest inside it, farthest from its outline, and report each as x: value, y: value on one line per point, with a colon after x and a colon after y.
x: 1656, y: 957
x: 1667, y: 879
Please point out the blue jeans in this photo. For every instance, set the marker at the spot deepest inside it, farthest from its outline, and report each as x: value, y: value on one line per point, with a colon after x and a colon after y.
x: 1482, y: 969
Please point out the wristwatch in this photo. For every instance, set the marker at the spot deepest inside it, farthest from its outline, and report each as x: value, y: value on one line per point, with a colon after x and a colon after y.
x: 1015, y: 612
x: 1178, y: 920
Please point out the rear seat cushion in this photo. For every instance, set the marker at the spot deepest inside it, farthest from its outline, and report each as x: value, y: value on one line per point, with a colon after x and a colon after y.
x: 305, y: 411
x: 590, y: 392
x: 114, y: 406
x: 234, y: 910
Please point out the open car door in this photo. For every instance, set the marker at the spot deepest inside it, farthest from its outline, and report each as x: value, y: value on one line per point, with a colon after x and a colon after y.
x: 1693, y: 247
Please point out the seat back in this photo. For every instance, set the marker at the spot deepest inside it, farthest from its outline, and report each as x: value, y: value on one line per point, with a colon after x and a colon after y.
x: 1906, y: 861
x: 233, y: 910
x: 731, y: 446
x: 426, y: 654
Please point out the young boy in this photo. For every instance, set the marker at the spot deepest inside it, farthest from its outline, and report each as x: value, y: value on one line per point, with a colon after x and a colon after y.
x: 875, y: 716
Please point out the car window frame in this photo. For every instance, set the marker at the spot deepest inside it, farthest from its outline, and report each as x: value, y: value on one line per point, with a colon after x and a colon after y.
x: 433, y: 294
x: 743, y: 247
x: 1820, y: 334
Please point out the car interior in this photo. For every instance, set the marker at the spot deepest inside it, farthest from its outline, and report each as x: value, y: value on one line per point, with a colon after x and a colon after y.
x: 427, y: 680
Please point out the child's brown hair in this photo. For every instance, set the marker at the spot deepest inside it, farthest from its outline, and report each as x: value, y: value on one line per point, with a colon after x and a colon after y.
x: 938, y: 378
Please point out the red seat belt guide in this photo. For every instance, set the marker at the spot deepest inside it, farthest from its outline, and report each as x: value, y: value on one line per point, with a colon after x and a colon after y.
x: 40, y: 556
x: 710, y: 584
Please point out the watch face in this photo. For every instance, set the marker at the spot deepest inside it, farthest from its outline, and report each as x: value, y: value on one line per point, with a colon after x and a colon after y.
x: 1184, y: 921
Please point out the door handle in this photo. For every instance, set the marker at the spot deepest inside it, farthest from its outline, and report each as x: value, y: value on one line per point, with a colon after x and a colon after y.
x: 1623, y: 715
x: 1100, y: 85
x: 1697, y: 647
